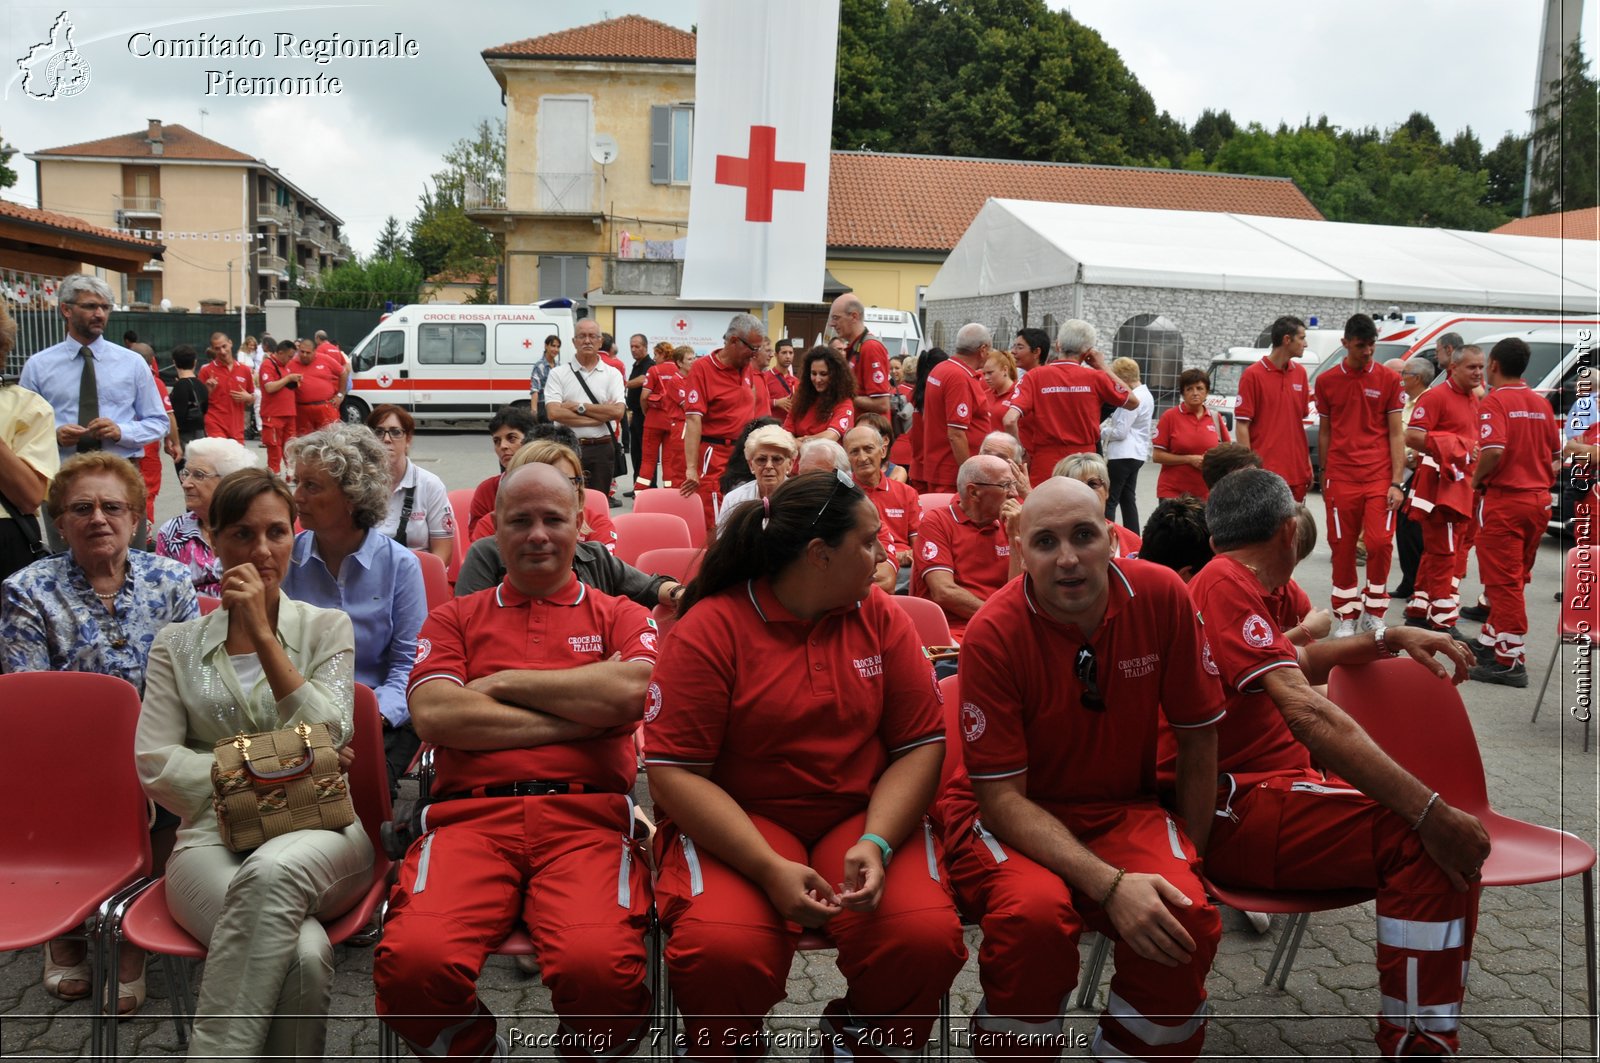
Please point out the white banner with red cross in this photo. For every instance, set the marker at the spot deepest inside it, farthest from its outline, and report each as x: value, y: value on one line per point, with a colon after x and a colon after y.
x: 758, y: 198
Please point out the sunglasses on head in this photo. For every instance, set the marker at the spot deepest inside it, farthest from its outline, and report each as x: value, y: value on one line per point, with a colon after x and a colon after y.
x: 1086, y: 668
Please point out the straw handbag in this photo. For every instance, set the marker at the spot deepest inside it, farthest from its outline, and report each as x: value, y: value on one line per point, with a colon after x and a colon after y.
x: 275, y: 782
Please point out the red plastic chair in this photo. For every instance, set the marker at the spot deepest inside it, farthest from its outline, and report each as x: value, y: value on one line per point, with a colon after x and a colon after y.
x: 681, y: 563
x: 638, y: 532
x: 144, y: 919
x: 1580, y: 616
x: 936, y: 500
x: 461, y: 509
x: 208, y: 604
x: 76, y: 828
x: 666, y: 500
x: 1419, y: 720
x: 933, y: 627
x: 435, y: 580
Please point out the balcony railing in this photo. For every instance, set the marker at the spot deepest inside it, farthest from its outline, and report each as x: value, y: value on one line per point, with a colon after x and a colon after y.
x: 552, y: 192
x: 149, y: 205
x: 271, y: 264
x: 272, y: 214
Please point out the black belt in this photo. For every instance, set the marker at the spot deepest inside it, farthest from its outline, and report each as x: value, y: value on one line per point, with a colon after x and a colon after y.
x: 525, y: 788
x: 596, y: 441
x: 716, y: 441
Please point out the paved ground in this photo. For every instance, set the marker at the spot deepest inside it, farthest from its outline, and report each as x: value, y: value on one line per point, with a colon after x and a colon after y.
x: 1525, y: 997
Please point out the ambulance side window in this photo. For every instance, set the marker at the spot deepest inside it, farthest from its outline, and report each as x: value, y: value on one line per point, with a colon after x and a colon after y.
x: 391, y: 348
x: 451, y: 344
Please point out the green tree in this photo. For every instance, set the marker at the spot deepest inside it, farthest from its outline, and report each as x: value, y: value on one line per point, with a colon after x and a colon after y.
x: 442, y: 238
x: 368, y: 285
x: 1506, y: 167
x: 8, y: 176
x: 390, y: 243
x: 1566, y: 139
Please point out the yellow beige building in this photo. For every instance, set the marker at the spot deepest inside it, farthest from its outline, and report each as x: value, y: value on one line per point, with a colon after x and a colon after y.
x: 235, y: 229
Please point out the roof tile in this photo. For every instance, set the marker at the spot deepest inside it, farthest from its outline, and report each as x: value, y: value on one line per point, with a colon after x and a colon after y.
x: 925, y: 202
x: 630, y: 38
x: 9, y: 209
x: 178, y: 142
x: 1570, y: 224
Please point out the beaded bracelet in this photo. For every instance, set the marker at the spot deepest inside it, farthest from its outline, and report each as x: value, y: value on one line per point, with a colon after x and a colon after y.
x: 1114, y: 884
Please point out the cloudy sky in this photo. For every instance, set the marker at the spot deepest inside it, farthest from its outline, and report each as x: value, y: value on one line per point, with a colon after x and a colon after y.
x: 367, y: 152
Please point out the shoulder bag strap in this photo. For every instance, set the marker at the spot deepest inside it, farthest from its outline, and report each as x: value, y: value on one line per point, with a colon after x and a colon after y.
x: 584, y: 384
x: 405, y: 514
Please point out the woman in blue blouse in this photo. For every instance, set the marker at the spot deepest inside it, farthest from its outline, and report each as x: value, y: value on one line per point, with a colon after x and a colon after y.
x: 95, y: 608
x: 341, y: 561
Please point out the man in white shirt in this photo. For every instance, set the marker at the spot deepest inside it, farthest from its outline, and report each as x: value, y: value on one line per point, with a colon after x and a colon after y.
x: 588, y: 397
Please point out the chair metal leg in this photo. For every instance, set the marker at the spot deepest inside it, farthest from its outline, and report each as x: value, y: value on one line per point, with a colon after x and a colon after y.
x: 1589, y: 951
x: 1089, y: 981
x: 183, y: 1005
x: 1548, y: 672
x: 1296, y: 928
x: 944, y: 1025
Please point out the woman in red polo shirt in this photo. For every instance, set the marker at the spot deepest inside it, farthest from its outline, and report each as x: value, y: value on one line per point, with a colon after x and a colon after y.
x: 795, y: 740
x: 1000, y: 373
x: 1183, y: 435
x: 663, y: 394
x: 823, y: 403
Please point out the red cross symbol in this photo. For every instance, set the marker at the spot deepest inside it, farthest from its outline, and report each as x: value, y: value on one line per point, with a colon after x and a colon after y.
x: 680, y: 324
x: 760, y: 174
x: 527, y: 343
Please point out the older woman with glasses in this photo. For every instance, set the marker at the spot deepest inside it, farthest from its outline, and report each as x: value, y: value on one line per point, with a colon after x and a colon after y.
x: 186, y: 538
x: 419, y: 507
x: 95, y: 608
x: 343, y: 561
x: 1091, y: 469
x: 771, y: 452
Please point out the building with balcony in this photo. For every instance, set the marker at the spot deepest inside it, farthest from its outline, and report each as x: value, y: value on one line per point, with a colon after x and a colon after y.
x: 236, y: 230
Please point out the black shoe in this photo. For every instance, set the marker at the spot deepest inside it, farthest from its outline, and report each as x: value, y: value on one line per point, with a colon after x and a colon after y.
x: 1418, y: 621
x: 1558, y: 596
x: 1399, y: 595
x: 1484, y: 654
x: 627, y: 494
x: 615, y: 504
x: 1477, y: 613
x: 1515, y: 676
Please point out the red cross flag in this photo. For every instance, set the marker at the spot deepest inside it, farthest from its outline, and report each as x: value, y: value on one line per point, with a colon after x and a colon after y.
x: 758, y: 200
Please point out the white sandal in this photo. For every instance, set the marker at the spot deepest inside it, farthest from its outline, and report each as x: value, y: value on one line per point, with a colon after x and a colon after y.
x: 56, y: 973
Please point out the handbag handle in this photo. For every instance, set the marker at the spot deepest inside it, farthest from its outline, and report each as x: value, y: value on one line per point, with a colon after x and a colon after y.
x: 242, y: 743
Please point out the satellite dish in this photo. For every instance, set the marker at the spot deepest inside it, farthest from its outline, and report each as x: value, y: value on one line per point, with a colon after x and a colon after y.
x: 603, y: 149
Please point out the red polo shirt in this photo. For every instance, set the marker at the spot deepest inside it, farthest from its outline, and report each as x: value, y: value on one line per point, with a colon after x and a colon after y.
x: 779, y: 385
x: 614, y: 362
x: 1357, y: 406
x: 1060, y: 402
x: 496, y: 629
x: 1522, y: 426
x: 321, y: 377
x: 763, y: 400
x: 841, y: 419
x: 978, y: 556
x: 869, y: 360
x: 1289, y: 605
x: 1021, y: 700
x: 1448, y: 409
x: 1245, y: 644
x: 225, y: 417
x: 1275, y: 401
x: 795, y: 719
x: 721, y: 395
x: 278, y: 403
x: 1180, y: 433
x: 668, y: 390
x: 956, y: 397
x: 899, y: 514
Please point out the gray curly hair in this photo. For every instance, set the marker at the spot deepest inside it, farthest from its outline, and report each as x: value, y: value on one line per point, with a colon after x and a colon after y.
x: 352, y: 455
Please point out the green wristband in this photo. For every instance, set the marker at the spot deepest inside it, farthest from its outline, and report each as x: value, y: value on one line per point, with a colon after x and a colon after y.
x: 882, y: 845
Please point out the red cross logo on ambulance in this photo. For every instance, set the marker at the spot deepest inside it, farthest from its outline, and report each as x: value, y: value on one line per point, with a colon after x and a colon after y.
x: 973, y: 722
x: 384, y: 380
x: 1257, y: 632
x: 652, y: 703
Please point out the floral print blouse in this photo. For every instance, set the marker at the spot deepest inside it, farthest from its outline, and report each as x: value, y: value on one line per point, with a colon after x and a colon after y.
x: 180, y: 539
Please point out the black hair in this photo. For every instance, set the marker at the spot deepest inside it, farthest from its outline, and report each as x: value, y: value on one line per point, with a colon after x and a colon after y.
x: 287, y: 347
x: 557, y: 433
x: 608, y: 343
x: 930, y: 358
x: 1284, y: 327
x: 780, y: 344
x: 841, y: 382
x: 1360, y: 327
x: 761, y: 540
x: 737, y: 471
x: 1037, y: 339
x: 519, y: 417
x: 1192, y: 376
x: 1176, y: 535
x: 1511, y: 355
x: 130, y: 337
x: 184, y: 356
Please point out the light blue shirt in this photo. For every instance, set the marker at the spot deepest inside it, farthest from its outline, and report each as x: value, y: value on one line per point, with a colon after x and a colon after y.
x: 127, y: 388
x: 380, y: 588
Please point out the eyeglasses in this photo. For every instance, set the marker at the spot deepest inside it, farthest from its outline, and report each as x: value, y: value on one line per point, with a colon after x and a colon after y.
x: 389, y: 433
x: 1086, y: 668
x: 83, y: 510
x: 1096, y: 483
x: 193, y: 475
x: 747, y: 343
x: 769, y: 459
x: 838, y: 478
x: 1009, y: 485
x: 91, y: 307
x: 577, y: 481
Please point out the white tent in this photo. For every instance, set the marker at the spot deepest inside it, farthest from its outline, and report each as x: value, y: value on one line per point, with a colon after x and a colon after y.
x: 1016, y: 245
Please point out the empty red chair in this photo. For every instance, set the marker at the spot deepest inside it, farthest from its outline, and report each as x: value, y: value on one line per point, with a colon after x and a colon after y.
x: 936, y: 499
x: 435, y: 581
x: 679, y: 562
x: 460, y: 509
x: 666, y: 500
x: 933, y: 627
x: 638, y: 532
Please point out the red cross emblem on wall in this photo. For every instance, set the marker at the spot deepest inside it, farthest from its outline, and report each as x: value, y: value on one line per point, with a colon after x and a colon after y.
x: 760, y: 174
x: 681, y: 325
x: 527, y: 343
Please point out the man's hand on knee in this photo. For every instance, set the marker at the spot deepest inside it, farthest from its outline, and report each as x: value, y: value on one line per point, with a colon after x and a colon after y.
x: 1139, y: 909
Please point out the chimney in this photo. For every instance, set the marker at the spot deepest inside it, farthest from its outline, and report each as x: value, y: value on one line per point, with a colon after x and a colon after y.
x: 153, y: 135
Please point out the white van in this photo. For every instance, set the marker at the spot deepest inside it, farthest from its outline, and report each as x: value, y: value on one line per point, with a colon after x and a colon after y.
x: 449, y: 363
x: 898, y: 330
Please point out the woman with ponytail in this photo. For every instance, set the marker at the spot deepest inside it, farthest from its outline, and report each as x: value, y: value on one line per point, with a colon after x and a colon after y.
x: 795, y: 740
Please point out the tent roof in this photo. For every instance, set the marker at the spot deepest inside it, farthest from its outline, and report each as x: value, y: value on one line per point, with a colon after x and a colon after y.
x: 1015, y: 245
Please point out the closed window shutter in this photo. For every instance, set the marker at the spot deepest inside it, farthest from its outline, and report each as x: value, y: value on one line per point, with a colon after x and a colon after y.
x: 660, y: 145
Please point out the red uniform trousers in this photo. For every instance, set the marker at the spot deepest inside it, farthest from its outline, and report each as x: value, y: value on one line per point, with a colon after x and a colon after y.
x: 1444, y: 549
x: 1031, y: 918
x: 667, y: 444
x: 1513, y: 523
x: 729, y: 951
x: 150, y: 469
x: 275, y: 432
x: 713, y: 463
x: 312, y: 416
x: 568, y: 868
x: 1359, y: 512
x: 1299, y: 831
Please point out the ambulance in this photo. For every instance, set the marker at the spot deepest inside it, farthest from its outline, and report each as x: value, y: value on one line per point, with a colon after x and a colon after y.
x: 897, y: 330
x: 447, y: 362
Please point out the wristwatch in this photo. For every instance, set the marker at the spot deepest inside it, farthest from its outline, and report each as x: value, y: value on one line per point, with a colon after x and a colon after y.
x: 581, y: 410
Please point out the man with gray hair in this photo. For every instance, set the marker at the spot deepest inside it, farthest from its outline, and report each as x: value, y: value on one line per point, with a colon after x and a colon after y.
x: 1058, y: 403
x: 868, y: 357
x: 1306, y: 799
x: 964, y: 550
x: 821, y: 455
x: 955, y: 409
x: 720, y: 400
x: 1444, y: 351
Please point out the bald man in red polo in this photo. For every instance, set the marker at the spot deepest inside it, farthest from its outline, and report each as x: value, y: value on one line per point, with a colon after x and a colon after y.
x: 721, y: 400
x: 530, y: 693
x: 964, y: 552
